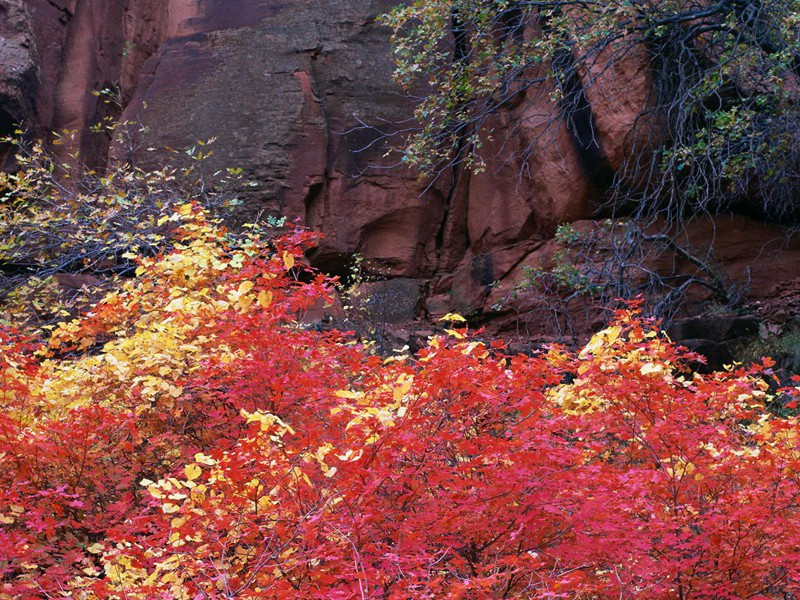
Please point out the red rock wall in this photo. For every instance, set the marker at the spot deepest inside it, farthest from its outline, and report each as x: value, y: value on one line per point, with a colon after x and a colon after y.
x: 284, y: 86
x: 17, y: 71
x: 84, y: 46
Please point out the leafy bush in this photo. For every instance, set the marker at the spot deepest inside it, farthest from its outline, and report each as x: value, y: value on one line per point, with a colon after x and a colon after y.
x: 57, y: 218
x: 189, y: 438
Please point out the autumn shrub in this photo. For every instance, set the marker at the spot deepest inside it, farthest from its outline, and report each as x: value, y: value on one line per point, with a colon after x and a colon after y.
x: 192, y: 438
x: 61, y: 221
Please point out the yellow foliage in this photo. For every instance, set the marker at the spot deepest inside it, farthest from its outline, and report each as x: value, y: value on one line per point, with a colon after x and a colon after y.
x: 153, y: 341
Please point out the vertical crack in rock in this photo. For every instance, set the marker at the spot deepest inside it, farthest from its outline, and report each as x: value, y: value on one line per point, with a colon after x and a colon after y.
x: 456, y: 173
x: 317, y: 184
x: 580, y: 120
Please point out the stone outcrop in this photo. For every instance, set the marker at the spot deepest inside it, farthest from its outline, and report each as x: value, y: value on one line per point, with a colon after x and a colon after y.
x: 83, y: 47
x: 17, y: 70
x: 299, y: 94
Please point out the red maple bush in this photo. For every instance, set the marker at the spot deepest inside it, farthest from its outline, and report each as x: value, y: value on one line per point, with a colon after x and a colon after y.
x: 192, y: 438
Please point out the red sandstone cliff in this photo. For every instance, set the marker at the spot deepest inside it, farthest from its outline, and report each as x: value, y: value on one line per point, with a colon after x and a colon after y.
x: 284, y: 85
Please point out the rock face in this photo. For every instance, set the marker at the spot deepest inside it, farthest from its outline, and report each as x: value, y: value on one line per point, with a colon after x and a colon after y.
x: 299, y: 94
x: 281, y: 85
x: 81, y: 48
x: 17, y: 70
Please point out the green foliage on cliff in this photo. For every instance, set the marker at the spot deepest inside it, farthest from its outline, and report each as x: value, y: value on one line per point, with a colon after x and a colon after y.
x: 721, y: 123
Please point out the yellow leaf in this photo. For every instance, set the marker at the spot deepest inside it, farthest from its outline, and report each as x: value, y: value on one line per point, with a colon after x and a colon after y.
x: 169, y: 565
x: 265, y: 298
x: 453, y: 317
x: 245, y: 287
x: 299, y: 474
x: 185, y: 210
x: 405, y: 384
x: 350, y: 455
x: 245, y: 302
x: 288, y: 259
x: 177, y: 522
x: 470, y: 347
x: 204, y: 459
x: 192, y: 471
x: 612, y: 334
x: 175, y: 304
x: 322, y: 451
x: 168, y: 507
x: 456, y: 334
x: 266, y: 420
x: 601, y: 339
x: 96, y: 548
x: 648, y: 368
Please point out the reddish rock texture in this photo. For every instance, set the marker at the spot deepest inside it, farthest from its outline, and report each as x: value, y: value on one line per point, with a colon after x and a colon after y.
x: 285, y: 86
x: 85, y: 46
x: 282, y: 86
x: 17, y: 70
x: 758, y: 260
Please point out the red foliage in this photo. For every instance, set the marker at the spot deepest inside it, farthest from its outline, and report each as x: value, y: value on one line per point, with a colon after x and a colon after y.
x: 273, y: 460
